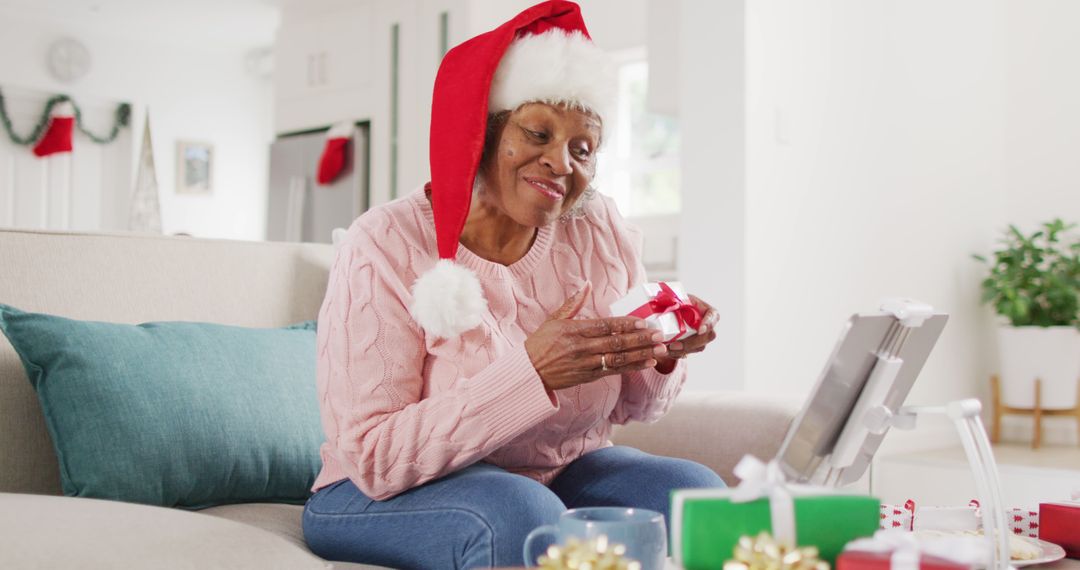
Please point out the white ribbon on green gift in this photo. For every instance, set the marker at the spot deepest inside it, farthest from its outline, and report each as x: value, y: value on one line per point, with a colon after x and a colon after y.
x: 906, y: 549
x: 766, y: 480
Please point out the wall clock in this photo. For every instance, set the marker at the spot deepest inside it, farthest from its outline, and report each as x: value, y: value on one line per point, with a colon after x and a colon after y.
x: 68, y: 59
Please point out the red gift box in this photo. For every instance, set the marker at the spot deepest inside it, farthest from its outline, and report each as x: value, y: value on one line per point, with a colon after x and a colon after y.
x: 1060, y: 523
x: 861, y: 560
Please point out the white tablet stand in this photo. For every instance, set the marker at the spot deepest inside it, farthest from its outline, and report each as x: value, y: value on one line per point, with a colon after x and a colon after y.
x: 871, y: 416
x: 865, y: 381
x: 860, y: 395
x: 965, y: 416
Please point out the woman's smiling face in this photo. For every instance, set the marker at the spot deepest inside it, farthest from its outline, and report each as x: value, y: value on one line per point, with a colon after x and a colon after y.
x: 542, y: 164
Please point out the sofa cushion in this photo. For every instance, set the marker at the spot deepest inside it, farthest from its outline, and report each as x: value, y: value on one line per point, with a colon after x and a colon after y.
x: 285, y: 521
x: 282, y: 520
x: 38, y: 531
x: 174, y: 413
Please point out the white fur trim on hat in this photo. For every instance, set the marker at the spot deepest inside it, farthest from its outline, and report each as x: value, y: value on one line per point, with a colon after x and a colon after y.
x: 448, y: 300
x: 555, y: 67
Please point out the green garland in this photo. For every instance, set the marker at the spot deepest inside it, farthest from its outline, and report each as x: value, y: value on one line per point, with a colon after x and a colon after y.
x: 122, y: 116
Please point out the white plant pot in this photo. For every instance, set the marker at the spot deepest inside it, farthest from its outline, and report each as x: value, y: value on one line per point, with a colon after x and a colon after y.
x: 1051, y: 354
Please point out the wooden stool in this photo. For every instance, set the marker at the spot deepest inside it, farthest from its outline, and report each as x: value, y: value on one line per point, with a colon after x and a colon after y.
x: 1038, y: 412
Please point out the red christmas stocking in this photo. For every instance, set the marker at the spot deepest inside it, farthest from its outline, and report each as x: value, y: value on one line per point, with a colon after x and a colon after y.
x: 57, y: 137
x: 332, y: 161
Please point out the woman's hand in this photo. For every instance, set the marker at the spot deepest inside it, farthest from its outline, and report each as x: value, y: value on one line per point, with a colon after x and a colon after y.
x: 567, y: 352
x: 691, y: 344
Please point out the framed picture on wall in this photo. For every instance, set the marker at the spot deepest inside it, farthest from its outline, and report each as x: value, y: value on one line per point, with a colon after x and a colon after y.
x: 194, y: 167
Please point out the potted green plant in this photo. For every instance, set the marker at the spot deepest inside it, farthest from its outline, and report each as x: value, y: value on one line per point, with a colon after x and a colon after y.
x: 1034, y: 283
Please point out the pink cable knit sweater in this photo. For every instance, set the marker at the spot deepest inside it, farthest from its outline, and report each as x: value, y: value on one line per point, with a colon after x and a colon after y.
x: 400, y: 408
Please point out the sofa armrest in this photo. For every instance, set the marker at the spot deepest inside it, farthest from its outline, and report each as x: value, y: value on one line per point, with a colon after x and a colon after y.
x: 715, y: 429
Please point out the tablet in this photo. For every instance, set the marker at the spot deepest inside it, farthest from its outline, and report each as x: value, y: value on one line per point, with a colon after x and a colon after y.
x: 865, y: 382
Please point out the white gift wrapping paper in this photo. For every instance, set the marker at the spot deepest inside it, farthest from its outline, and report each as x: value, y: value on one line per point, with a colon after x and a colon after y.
x: 667, y: 322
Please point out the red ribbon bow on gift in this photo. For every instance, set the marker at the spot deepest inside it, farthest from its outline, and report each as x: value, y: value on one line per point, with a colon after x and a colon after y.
x: 666, y: 301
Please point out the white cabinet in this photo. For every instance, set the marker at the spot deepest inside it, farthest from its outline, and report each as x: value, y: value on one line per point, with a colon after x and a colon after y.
x: 326, y: 53
x: 372, y: 60
x: 324, y: 60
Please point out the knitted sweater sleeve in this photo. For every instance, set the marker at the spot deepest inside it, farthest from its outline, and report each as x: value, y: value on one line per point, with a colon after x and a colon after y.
x: 380, y: 428
x: 646, y: 395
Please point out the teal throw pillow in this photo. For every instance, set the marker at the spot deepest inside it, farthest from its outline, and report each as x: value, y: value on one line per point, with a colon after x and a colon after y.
x: 175, y: 413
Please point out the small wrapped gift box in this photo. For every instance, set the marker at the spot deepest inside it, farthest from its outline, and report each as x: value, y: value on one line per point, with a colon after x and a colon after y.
x: 706, y: 524
x: 1060, y: 523
x: 948, y: 518
x: 1023, y: 522
x: 664, y: 306
x: 857, y: 560
x: 898, y: 549
x: 897, y: 516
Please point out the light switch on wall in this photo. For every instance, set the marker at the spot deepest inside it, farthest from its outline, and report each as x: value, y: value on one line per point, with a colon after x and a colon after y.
x: 781, y: 126
x: 316, y: 69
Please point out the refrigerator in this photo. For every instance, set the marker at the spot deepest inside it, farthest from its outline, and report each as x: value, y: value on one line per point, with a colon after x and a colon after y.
x: 299, y: 209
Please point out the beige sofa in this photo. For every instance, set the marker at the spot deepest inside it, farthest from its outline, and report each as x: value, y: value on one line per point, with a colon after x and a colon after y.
x: 133, y: 278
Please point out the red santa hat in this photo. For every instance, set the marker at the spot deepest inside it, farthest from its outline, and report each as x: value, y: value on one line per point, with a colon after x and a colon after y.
x: 57, y: 137
x: 543, y: 54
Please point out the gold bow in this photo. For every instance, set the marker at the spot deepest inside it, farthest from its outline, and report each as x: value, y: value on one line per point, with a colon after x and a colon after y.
x: 596, y: 554
x: 765, y: 553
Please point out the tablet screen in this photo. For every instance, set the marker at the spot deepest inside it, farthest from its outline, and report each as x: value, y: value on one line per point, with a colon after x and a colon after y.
x: 805, y: 453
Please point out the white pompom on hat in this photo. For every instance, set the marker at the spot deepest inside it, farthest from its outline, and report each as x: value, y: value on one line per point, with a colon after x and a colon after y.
x: 544, y: 54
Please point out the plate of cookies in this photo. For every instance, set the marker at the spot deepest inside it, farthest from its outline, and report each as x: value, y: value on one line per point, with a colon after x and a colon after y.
x: 1025, y: 550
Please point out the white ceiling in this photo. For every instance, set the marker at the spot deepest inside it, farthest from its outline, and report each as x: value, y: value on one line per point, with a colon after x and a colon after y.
x: 209, y: 23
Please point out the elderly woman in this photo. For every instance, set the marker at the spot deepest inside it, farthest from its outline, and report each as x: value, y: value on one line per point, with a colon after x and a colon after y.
x: 469, y: 370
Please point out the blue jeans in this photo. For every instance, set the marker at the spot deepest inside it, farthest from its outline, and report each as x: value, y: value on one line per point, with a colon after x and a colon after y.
x: 478, y: 517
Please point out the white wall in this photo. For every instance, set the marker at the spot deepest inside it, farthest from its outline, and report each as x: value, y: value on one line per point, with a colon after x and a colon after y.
x: 885, y: 142
x: 1042, y: 129
x: 197, y: 91
x: 712, y: 255
x: 875, y: 169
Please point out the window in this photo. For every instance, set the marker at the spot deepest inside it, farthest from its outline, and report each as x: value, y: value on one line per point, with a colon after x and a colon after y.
x: 638, y: 165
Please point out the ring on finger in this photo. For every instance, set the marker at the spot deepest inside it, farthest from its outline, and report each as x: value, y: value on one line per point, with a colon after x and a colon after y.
x: 603, y: 361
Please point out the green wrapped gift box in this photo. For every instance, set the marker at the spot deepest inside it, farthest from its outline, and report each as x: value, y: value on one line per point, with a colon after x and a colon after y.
x: 706, y: 524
